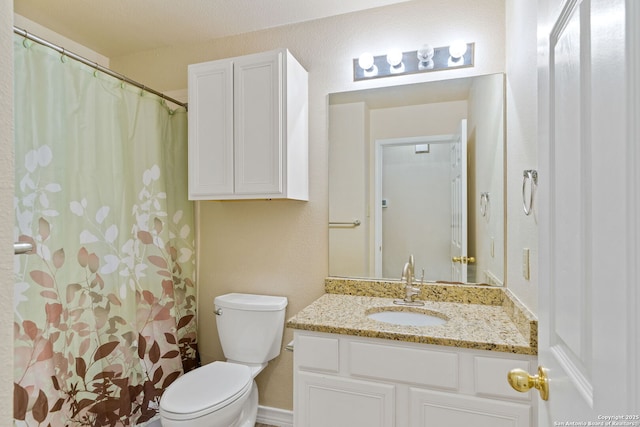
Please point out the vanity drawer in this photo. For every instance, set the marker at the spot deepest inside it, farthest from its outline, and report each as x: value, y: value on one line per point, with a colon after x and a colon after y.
x: 432, y: 368
x: 490, y: 378
x: 316, y: 353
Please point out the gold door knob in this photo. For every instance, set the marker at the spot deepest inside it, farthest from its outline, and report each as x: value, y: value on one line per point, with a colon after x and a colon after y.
x: 521, y: 381
x: 464, y: 259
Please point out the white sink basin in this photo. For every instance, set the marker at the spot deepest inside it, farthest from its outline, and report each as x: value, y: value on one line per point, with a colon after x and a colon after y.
x: 407, y: 318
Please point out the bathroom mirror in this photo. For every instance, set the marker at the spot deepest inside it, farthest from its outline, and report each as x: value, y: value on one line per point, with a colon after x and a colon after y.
x: 419, y: 169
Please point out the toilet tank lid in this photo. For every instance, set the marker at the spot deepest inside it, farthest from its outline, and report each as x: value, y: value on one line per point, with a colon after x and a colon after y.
x: 251, y: 302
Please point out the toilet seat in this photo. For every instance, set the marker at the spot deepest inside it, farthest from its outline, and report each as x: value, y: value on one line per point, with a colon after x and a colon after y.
x: 205, y: 390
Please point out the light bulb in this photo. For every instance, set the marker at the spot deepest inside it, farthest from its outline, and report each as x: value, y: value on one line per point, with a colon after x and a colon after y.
x: 425, y: 57
x: 365, y: 61
x: 425, y: 53
x: 457, y: 49
x: 394, y: 58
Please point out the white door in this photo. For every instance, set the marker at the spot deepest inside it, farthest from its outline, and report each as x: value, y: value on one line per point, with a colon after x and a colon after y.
x: 588, y: 210
x: 458, y: 252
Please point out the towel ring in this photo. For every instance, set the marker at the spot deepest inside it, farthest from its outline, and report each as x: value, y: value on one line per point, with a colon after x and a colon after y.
x: 532, y: 177
x: 484, y: 204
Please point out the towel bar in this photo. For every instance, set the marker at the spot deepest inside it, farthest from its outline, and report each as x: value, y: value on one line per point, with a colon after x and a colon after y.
x: 22, y: 247
x: 353, y: 223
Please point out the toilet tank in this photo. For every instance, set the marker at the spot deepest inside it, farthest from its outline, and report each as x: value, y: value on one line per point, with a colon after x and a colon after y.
x: 250, y: 326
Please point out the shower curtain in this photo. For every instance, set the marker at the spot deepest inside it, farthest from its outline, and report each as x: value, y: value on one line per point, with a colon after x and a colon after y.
x: 105, y: 303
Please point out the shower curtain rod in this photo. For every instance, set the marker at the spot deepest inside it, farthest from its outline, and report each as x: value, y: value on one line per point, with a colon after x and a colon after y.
x: 95, y: 65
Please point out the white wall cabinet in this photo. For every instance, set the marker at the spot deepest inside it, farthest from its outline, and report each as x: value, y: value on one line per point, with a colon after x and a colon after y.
x: 248, y: 128
x: 347, y: 381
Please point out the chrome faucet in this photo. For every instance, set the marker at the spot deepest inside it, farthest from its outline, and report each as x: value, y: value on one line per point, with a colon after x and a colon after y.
x: 408, y: 271
x: 410, y: 291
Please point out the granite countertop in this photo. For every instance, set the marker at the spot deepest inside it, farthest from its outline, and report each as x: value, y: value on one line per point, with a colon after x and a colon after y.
x: 479, y: 317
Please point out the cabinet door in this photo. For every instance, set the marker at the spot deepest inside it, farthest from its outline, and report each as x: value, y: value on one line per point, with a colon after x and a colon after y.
x: 324, y: 401
x: 436, y: 409
x: 258, y: 91
x: 210, y: 129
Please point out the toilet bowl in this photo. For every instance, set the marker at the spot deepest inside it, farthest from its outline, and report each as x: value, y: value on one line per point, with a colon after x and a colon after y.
x: 214, y: 395
x: 224, y: 394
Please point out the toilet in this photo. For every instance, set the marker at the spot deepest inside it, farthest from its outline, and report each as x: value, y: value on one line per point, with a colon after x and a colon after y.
x: 224, y: 394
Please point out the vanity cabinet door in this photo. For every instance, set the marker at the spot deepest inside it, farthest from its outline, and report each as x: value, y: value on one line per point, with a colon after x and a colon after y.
x: 324, y: 401
x: 435, y: 409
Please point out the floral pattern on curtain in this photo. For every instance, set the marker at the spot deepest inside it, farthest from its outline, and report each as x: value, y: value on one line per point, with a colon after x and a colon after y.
x: 105, y: 303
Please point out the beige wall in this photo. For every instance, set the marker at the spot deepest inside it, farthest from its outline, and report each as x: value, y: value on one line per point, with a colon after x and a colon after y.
x: 348, y: 181
x: 53, y: 37
x: 485, y: 130
x: 522, y: 120
x: 281, y: 247
x: 6, y: 213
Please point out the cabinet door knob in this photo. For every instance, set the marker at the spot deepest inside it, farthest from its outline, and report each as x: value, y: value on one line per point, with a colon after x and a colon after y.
x: 521, y: 381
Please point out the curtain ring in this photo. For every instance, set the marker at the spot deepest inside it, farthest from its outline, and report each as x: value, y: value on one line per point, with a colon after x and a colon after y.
x: 63, y: 57
x: 25, y: 42
x: 532, y: 177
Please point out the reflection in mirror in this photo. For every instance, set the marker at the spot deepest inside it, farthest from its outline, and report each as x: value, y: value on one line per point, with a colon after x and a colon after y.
x: 397, y: 173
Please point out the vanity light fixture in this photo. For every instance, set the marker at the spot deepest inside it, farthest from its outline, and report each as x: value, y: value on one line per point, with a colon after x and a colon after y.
x: 426, y: 58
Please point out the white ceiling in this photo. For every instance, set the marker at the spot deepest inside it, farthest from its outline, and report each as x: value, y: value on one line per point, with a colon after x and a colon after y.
x: 120, y: 27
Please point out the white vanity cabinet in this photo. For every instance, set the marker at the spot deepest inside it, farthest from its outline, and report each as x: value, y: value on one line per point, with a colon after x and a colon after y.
x: 347, y: 381
x: 248, y: 128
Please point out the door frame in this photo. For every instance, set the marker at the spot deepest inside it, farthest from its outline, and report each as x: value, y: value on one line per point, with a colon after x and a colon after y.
x: 460, y: 271
x: 379, y: 146
x: 633, y: 263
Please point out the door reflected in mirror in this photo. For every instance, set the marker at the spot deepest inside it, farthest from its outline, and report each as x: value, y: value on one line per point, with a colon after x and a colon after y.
x: 397, y: 178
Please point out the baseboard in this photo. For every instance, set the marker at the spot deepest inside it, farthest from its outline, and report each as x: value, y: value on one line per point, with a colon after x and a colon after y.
x: 274, y: 416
